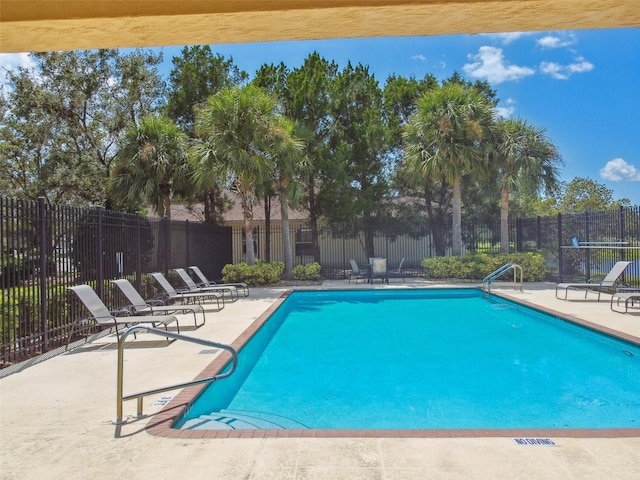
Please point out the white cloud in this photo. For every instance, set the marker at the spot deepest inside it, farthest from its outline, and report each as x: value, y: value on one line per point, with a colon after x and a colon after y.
x: 491, y: 65
x: 505, y: 111
x: 555, y: 41
x: 507, y: 38
x: 419, y: 57
x: 11, y: 61
x: 563, y: 72
x: 617, y: 170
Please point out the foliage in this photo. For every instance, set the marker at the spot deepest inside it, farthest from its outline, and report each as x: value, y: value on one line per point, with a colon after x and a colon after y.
x: 151, y: 167
x: 522, y: 157
x: 241, y: 133
x: 63, y: 118
x: 310, y: 271
x: 358, y: 192
x: 584, y: 194
x: 260, y: 273
x: 20, y: 310
x: 476, y: 266
x: 196, y: 75
x: 305, y: 95
x: 577, y: 196
x: 444, y: 140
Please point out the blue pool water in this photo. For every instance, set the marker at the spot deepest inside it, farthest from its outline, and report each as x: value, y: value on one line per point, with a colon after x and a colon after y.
x: 423, y: 359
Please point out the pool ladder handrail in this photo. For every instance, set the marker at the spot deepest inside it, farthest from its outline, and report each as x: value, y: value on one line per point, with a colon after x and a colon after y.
x: 119, y: 420
x: 501, y: 271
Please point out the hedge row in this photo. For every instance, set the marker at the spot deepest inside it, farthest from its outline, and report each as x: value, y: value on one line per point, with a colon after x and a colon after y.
x: 478, y: 265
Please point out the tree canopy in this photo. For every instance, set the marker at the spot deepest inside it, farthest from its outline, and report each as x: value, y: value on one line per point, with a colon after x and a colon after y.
x: 412, y: 153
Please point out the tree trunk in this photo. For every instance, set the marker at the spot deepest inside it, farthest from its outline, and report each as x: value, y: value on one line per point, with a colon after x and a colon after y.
x: 456, y: 228
x: 247, y: 213
x: 504, y: 221
x: 286, y: 238
x: 267, y: 228
x: 313, y: 220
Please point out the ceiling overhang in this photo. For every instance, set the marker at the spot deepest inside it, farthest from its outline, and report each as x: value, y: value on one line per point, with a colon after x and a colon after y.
x: 45, y: 25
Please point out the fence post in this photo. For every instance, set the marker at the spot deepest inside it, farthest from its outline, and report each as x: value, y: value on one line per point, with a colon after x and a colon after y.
x: 138, y: 253
x: 100, y: 255
x: 344, y: 255
x: 538, y: 237
x: 166, y: 247
x: 42, y: 220
x: 186, y: 241
x: 622, y: 232
x: 587, y: 234
x: 560, y: 268
x: 518, y: 234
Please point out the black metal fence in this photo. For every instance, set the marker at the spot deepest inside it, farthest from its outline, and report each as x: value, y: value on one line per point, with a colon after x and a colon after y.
x: 552, y: 236
x: 46, y: 248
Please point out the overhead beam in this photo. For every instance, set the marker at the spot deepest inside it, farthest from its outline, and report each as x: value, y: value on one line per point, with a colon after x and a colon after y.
x: 45, y: 25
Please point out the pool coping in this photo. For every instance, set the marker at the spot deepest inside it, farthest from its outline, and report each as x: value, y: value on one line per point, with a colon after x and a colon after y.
x: 160, y: 424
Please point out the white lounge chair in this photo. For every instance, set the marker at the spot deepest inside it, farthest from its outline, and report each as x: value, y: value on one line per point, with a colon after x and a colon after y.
x: 204, y: 282
x: 628, y: 298
x: 193, y: 288
x: 186, y: 297
x: 608, y: 281
x: 101, y: 315
x: 140, y: 306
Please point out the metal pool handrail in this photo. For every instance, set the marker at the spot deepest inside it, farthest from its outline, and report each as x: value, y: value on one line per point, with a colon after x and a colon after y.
x: 501, y: 271
x: 176, y: 336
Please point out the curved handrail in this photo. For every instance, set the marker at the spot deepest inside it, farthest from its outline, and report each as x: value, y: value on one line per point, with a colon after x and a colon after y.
x: 140, y: 395
x: 501, y: 271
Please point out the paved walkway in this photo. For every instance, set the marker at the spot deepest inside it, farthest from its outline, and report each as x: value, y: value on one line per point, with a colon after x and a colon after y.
x: 56, y: 419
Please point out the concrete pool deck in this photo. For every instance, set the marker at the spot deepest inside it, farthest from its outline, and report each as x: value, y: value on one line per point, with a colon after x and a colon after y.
x: 55, y: 417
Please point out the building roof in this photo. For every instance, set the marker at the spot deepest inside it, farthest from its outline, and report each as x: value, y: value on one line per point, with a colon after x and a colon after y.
x: 180, y: 211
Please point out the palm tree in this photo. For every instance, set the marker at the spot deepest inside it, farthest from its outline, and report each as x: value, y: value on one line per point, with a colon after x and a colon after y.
x: 525, y: 158
x: 240, y: 138
x: 444, y: 139
x: 290, y: 163
x: 151, y: 166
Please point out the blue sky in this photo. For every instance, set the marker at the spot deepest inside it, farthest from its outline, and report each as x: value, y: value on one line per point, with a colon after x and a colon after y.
x: 583, y: 86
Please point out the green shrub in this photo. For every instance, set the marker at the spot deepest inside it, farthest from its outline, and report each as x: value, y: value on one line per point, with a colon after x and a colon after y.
x: 477, y: 265
x: 310, y: 271
x: 260, y: 273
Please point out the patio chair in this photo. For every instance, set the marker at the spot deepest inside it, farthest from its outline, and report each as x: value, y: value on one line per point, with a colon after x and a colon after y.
x: 397, y: 273
x: 101, y: 315
x: 186, y: 297
x: 204, y: 282
x: 628, y: 297
x: 193, y: 288
x: 140, y: 306
x: 607, y: 282
x: 357, y: 272
x: 379, y: 270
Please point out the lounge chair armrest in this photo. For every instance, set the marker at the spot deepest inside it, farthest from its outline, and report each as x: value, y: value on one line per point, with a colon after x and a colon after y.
x: 163, y: 297
x: 155, y: 302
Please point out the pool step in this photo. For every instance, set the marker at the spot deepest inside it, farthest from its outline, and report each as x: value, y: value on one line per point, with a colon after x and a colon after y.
x: 241, y: 420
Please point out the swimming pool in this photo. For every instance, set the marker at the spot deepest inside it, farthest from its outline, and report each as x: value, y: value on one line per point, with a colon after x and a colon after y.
x: 422, y: 359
